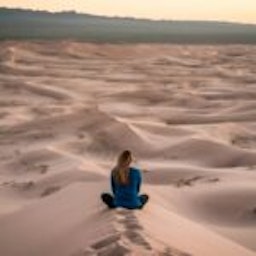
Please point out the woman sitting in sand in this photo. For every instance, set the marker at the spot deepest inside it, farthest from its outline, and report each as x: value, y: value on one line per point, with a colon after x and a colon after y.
x: 125, y: 183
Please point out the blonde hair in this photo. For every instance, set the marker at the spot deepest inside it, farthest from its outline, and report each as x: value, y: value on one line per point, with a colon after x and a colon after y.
x: 121, y: 170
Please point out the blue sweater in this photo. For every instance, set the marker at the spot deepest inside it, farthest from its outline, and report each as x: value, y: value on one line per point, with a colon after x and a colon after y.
x: 127, y: 195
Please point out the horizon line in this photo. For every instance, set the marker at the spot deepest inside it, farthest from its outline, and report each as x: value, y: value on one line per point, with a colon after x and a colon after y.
x: 125, y: 17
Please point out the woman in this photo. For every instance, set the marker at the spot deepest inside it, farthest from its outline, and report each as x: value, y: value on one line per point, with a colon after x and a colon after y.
x: 125, y: 183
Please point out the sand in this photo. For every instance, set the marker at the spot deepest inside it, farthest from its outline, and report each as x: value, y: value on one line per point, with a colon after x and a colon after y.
x: 188, y: 113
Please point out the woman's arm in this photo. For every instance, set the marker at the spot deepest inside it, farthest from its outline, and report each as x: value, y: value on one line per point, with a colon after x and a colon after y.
x: 113, y: 186
x: 139, y: 181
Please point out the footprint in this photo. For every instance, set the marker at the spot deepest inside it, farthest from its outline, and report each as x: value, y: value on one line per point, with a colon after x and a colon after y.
x: 106, y: 241
x: 213, y: 180
x: 125, y: 212
x: 173, y: 252
x: 27, y: 185
x: 43, y: 168
x: 131, y: 227
x: 166, y: 252
x: 115, y: 249
x: 127, y: 215
x: 108, y: 246
x: 130, y: 224
x: 193, y: 180
x: 137, y: 238
x: 130, y: 221
x: 50, y: 190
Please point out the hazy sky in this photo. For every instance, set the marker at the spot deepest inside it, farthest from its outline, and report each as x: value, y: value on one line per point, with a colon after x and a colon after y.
x: 227, y: 10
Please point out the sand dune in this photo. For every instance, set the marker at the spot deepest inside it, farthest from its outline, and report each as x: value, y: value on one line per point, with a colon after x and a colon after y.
x: 188, y: 114
x: 211, y: 153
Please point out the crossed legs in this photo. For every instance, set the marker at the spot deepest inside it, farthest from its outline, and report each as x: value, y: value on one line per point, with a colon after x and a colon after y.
x: 109, y: 200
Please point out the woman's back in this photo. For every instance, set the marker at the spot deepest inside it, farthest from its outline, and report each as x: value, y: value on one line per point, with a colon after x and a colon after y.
x: 126, y: 195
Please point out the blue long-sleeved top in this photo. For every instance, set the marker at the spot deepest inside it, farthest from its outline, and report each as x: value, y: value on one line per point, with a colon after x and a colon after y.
x: 127, y: 195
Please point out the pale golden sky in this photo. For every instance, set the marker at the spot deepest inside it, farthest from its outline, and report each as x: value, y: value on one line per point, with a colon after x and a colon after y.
x: 225, y: 10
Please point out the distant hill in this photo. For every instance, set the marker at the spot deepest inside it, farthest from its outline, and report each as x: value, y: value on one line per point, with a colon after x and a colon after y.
x: 27, y: 24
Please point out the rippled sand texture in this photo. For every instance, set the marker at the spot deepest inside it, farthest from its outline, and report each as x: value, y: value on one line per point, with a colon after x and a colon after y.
x: 187, y: 112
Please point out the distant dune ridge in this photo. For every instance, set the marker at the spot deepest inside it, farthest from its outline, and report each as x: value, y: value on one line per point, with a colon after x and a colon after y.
x: 187, y: 112
x: 28, y: 24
